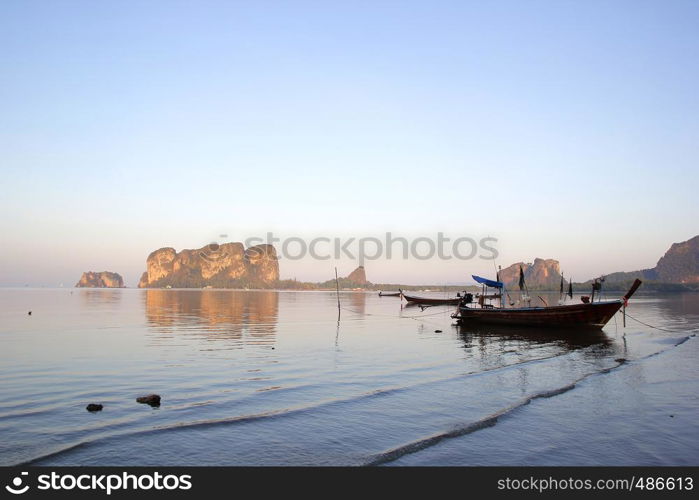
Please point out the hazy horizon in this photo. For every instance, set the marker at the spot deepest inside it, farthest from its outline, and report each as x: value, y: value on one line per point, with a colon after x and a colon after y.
x: 459, y: 271
x: 564, y: 130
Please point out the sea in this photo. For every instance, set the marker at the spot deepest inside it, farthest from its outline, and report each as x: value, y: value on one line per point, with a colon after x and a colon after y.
x: 286, y: 378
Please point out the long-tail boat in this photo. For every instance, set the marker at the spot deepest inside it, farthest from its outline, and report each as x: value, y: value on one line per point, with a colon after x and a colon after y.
x: 587, y: 314
x: 389, y: 294
x: 430, y: 301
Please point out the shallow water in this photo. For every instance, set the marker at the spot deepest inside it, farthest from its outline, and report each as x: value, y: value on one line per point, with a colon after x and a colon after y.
x: 272, y: 378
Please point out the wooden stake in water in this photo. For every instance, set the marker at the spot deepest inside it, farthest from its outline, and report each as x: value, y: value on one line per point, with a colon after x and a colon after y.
x: 337, y: 286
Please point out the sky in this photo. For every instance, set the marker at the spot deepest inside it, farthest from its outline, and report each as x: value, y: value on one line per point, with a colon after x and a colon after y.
x: 565, y: 130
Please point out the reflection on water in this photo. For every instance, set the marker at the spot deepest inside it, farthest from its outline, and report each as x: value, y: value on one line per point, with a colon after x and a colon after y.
x: 357, y: 302
x: 529, y: 337
x: 99, y: 296
x: 682, y: 306
x: 247, y: 317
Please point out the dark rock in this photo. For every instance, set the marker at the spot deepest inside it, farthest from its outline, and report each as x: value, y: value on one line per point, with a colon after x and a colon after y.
x: 620, y: 360
x: 438, y: 331
x: 93, y: 407
x: 29, y: 313
x: 151, y: 399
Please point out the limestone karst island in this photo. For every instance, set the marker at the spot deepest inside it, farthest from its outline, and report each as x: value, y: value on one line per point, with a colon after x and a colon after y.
x: 104, y: 279
x: 231, y: 265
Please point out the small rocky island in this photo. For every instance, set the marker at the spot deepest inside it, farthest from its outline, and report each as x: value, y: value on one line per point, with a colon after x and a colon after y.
x: 104, y: 279
x: 358, y: 277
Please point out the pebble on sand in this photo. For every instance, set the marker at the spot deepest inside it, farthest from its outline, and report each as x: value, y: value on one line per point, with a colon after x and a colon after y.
x: 92, y: 407
x: 151, y: 399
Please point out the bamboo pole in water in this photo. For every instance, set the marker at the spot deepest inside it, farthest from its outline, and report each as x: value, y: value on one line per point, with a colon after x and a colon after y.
x: 337, y: 287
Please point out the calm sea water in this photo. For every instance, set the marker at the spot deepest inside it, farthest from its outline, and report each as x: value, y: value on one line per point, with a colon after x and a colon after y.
x: 273, y: 378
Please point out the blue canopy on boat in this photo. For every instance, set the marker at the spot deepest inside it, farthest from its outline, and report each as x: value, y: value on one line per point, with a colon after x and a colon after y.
x: 487, y: 282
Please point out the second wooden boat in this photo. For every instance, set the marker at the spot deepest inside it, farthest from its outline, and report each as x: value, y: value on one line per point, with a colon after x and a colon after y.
x: 430, y: 301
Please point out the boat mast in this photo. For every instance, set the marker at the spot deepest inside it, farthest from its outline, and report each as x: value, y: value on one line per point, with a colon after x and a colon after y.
x: 570, y: 287
x: 560, y: 296
x: 502, y: 288
x: 523, y: 286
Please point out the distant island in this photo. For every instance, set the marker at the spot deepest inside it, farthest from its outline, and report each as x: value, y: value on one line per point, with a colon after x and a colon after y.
x: 104, y: 279
x: 357, y: 280
x: 677, y: 270
x: 231, y: 265
x: 542, y: 274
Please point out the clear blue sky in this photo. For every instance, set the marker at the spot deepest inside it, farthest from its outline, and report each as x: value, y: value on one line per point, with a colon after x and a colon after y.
x: 567, y: 130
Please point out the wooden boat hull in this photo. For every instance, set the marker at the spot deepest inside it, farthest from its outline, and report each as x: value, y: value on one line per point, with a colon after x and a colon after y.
x: 428, y: 301
x: 593, y: 315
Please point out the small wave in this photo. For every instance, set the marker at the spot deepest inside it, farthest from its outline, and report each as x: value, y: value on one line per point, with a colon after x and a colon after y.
x: 685, y: 339
x: 29, y: 412
x: 385, y: 457
x: 675, y: 343
x: 280, y: 413
x: 55, y: 453
x: 491, y: 420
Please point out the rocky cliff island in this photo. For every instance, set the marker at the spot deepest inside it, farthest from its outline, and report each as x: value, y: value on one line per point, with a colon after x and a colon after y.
x: 229, y: 265
x: 358, y: 277
x: 105, y: 279
x: 677, y: 270
x: 542, y: 274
